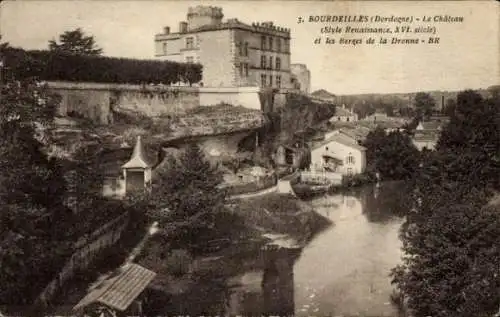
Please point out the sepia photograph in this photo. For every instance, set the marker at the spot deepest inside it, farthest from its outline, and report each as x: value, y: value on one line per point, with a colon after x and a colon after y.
x: 249, y: 158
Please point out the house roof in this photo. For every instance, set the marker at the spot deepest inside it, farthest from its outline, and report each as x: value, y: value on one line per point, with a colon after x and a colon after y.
x: 425, y: 136
x: 431, y: 125
x: 322, y: 93
x: 120, y: 289
x: 342, y: 139
x: 138, y: 159
x: 360, y: 132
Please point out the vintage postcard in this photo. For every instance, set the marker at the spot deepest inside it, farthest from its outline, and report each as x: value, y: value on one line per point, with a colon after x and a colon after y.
x: 249, y: 158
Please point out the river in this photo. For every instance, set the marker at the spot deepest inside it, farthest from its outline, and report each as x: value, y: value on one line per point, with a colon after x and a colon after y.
x: 343, y: 271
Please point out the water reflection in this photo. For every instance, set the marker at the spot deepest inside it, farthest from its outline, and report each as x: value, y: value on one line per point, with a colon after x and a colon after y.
x: 343, y: 271
x: 269, y: 292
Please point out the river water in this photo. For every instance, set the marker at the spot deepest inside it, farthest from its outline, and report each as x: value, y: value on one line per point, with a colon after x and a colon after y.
x: 343, y: 271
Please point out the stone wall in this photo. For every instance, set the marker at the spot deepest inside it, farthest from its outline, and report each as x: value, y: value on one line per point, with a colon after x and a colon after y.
x: 98, y: 101
x: 247, y: 97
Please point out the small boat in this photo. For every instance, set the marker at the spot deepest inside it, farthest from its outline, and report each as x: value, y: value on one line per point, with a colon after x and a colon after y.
x: 307, y: 190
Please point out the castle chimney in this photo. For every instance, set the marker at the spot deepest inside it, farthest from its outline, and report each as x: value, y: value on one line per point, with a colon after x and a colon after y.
x: 166, y: 30
x: 183, y: 27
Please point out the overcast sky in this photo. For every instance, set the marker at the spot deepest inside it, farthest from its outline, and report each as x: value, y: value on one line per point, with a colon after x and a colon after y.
x: 467, y: 57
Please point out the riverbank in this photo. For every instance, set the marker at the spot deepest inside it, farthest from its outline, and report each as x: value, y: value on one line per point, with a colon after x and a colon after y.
x: 311, y: 189
x: 246, y: 227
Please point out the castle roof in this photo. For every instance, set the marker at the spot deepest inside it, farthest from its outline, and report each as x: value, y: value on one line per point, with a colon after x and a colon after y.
x: 138, y: 159
x: 264, y: 27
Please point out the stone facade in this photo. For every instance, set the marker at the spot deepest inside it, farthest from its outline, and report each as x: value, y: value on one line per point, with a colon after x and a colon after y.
x: 303, y: 77
x: 232, y: 53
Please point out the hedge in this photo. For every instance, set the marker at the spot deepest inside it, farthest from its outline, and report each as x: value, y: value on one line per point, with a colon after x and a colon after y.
x: 52, y: 66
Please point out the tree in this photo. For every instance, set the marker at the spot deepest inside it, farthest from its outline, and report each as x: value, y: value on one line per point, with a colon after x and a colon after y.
x: 32, y: 191
x: 186, y: 196
x: 449, y: 108
x: 392, y: 155
x: 472, y: 140
x: 389, y: 109
x: 451, y: 237
x: 75, y: 42
x: 424, y: 104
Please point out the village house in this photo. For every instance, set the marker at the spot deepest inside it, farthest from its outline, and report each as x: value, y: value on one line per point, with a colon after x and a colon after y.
x: 340, y: 154
x: 233, y: 53
x: 378, y: 116
x: 425, y: 140
x: 431, y: 125
x: 344, y: 115
x: 427, y: 132
x: 293, y: 156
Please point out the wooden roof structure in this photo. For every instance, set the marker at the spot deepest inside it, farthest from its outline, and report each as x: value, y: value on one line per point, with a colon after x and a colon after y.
x: 120, y: 289
x: 138, y: 159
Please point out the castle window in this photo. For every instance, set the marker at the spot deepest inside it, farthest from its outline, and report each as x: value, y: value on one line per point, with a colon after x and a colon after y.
x: 262, y: 62
x: 165, y: 48
x: 240, y: 47
x: 270, y: 43
x: 270, y: 80
x: 189, y: 42
x: 278, y: 63
x: 246, y: 70
x: 278, y: 81
x: 270, y: 62
x: 190, y: 59
x: 278, y: 45
x: 263, y: 80
x: 246, y: 49
x: 241, y: 70
x: 263, y: 42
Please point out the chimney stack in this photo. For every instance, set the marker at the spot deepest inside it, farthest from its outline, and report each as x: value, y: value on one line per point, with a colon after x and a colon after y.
x: 183, y: 27
x: 166, y: 30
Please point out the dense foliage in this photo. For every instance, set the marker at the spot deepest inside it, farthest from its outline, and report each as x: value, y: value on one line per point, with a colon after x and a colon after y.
x: 392, y: 155
x: 47, y: 202
x: 424, y: 104
x: 186, y: 196
x: 451, y: 237
x: 63, y: 66
x: 75, y: 42
x: 31, y: 194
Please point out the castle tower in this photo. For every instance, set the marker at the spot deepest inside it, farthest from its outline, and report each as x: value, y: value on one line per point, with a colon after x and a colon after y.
x: 203, y: 15
x: 137, y: 171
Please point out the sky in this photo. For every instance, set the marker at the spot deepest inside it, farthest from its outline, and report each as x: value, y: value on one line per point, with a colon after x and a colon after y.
x: 468, y: 55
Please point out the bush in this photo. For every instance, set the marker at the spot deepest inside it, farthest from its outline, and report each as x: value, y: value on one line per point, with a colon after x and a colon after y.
x: 47, y: 65
x: 359, y: 179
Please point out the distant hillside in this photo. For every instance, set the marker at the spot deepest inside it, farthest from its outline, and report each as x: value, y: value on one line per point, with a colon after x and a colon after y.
x: 405, y: 99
